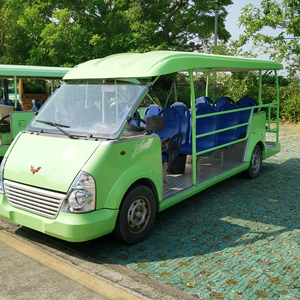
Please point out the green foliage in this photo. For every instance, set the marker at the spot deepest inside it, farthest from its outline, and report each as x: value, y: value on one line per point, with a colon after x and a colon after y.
x: 290, y: 102
x: 65, y: 33
x: 268, y: 79
x: 280, y: 44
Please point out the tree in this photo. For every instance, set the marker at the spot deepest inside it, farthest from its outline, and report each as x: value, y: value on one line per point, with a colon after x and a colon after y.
x: 57, y: 32
x: 283, y: 18
x: 21, y: 26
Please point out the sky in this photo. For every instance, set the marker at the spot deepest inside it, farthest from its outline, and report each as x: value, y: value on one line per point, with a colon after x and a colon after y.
x: 234, y: 12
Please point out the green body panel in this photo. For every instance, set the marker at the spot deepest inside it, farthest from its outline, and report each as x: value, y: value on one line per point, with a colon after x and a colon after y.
x: 19, y: 121
x: 141, y: 65
x: 115, y: 173
x: 67, y: 226
x: 60, y: 160
x: 5, y: 138
x: 3, y: 149
x: 257, y: 133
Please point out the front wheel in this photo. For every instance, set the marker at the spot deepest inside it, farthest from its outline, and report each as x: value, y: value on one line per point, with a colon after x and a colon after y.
x: 136, y: 215
x: 255, y: 163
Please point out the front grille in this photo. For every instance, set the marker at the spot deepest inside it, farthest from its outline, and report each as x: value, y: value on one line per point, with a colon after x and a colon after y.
x: 39, y: 201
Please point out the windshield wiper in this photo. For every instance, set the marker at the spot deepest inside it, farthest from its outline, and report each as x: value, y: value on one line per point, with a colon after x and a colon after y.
x: 58, y: 126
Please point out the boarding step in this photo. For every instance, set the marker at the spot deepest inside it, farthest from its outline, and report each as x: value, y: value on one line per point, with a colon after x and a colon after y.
x: 270, y: 145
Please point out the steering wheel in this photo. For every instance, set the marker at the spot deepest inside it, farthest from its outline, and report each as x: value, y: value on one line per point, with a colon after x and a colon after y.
x: 132, y: 127
x: 5, y: 117
x: 137, y: 119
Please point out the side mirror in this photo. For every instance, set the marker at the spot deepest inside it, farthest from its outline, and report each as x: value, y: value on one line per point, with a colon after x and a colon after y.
x: 155, y: 123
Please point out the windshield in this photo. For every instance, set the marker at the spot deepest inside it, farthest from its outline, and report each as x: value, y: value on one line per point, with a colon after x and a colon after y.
x: 90, y: 108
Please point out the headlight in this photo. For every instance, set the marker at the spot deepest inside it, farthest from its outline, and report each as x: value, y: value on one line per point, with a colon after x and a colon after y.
x: 81, y: 196
x: 1, y: 175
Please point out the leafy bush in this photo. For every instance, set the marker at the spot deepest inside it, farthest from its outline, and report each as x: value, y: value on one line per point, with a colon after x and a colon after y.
x: 290, y: 103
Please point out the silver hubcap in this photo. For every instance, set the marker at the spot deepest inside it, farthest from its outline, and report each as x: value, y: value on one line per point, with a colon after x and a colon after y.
x: 138, y: 215
x: 255, y: 161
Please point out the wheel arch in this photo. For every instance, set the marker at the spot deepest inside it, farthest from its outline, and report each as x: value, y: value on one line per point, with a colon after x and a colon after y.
x: 145, y: 182
x: 261, y: 145
x: 257, y: 140
x: 255, y: 165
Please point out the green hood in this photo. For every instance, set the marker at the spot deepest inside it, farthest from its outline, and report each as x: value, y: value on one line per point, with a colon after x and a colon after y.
x: 59, y: 159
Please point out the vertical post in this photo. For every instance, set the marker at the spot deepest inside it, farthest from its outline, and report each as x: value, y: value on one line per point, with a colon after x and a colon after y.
x: 216, y: 25
x: 193, y: 126
x: 277, y: 107
x: 116, y: 100
x: 259, y: 90
x: 103, y: 104
x: 207, y: 84
x: 216, y: 37
x: 16, y: 92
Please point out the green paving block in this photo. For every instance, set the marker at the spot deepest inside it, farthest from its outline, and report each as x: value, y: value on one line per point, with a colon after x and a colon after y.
x: 294, y: 292
x: 287, y: 297
x: 249, y: 293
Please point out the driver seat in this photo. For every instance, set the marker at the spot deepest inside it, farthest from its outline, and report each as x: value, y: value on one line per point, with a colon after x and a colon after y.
x: 171, y: 136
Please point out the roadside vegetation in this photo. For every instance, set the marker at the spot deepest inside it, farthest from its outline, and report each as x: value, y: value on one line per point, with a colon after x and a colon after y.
x: 69, y: 32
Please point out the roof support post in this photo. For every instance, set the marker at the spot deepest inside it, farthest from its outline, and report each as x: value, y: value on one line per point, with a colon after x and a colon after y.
x: 207, y: 83
x: 194, y: 156
x: 16, y: 92
x: 259, y: 89
x: 277, y: 106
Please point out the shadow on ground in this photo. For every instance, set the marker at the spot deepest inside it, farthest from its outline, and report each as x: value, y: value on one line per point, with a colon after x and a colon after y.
x: 238, y: 239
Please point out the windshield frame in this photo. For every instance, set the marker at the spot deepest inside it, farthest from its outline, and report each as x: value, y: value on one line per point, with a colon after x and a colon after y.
x: 125, y: 97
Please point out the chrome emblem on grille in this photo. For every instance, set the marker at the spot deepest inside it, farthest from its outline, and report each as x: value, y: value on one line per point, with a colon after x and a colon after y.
x: 33, y: 170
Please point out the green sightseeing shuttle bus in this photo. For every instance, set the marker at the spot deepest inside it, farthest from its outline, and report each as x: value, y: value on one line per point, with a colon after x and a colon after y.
x: 92, y: 162
x: 24, y: 83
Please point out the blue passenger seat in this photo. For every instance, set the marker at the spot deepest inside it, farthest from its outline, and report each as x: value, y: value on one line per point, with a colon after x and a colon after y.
x: 19, y: 107
x: 228, y: 120
x: 41, y: 103
x: 185, y: 121
x: 134, y: 121
x: 218, y: 104
x: 34, y: 105
x: 9, y: 102
x: 171, y: 136
x: 4, y: 102
x: 151, y: 110
x: 204, y: 99
x: 203, y: 125
x: 243, y: 116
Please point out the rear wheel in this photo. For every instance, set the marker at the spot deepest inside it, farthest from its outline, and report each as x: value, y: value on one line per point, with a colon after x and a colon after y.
x: 255, y: 163
x: 136, y: 215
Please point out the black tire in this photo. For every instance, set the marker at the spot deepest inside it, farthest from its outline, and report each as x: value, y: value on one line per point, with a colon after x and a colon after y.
x: 255, y: 163
x: 136, y: 215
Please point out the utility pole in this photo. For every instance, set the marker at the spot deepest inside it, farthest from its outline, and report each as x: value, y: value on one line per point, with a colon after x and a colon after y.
x: 214, y: 86
x: 216, y: 24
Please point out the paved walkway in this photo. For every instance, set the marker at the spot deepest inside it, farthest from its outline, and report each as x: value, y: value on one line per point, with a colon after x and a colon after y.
x: 237, y: 240
x: 29, y: 273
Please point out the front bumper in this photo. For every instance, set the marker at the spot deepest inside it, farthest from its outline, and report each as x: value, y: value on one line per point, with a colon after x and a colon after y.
x: 70, y: 227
